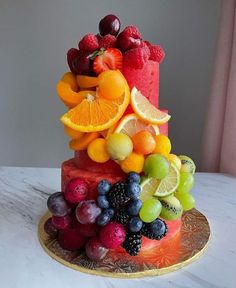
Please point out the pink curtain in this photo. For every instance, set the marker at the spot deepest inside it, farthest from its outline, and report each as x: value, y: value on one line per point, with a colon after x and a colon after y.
x: 219, y: 140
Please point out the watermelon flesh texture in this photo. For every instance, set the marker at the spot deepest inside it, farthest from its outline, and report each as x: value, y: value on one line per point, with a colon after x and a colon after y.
x: 146, y: 80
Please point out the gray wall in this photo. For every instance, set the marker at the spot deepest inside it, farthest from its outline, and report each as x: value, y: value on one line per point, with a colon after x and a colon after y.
x: 34, y: 38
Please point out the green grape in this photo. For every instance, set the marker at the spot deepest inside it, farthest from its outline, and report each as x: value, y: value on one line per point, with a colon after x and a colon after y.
x: 119, y: 146
x: 186, y: 200
x: 156, y: 166
x: 150, y: 210
x: 186, y: 182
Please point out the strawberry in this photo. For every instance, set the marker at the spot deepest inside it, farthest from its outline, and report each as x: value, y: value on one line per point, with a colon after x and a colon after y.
x: 109, y: 59
x: 108, y: 41
x: 136, y: 57
x: 156, y: 53
x: 89, y: 43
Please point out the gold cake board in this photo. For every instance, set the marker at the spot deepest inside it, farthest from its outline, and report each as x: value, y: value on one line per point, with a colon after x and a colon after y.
x: 184, y: 248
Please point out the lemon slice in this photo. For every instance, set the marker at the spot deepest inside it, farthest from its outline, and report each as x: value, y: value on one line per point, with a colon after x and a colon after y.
x: 187, y: 164
x: 145, y: 110
x: 160, y: 188
x: 131, y: 124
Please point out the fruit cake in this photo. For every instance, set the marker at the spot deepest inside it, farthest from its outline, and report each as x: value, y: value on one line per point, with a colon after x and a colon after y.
x: 124, y: 189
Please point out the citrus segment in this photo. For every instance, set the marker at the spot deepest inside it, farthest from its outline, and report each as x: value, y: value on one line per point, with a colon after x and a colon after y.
x: 86, y: 81
x: 96, y: 114
x: 160, y: 188
x: 131, y: 124
x: 175, y: 160
x: 73, y: 133
x: 67, y: 90
x: 145, y: 110
x: 169, y: 184
x: 84, y: 141
x: 148, y: 188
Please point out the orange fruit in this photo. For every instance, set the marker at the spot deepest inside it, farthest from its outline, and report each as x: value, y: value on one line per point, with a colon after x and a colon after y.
x: 97, y: 150
x: 131, y: 124
x: 84, y: 141
x: 95, y: 113
x: 67, y: 89
x: 143, y: 142
x: 111, y: 84
x: 73, y: 133
x: 133, y: 163
x: 145, y: 110
x: 86, y: 81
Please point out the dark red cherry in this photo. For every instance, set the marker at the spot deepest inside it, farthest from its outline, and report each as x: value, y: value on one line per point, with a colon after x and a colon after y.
x: 110, y: 24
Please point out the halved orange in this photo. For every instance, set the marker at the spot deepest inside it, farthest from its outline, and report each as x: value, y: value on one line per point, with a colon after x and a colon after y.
x: 86, y: 81
x: 145, y: 110
x: 68, y: 90
x: 131, y: 124
x: 84, y: 141
x: 95, y: 113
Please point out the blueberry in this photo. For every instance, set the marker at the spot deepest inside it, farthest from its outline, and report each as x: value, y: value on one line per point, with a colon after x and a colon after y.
x: 103, y: 187
x: 103, y: 219
x: 135, y: 224
x: 134, y: 207
x: 158, y: 227
x: 133, y: 190
x: 102, y: 202
x: 133, y: 177
x: 110, y: 212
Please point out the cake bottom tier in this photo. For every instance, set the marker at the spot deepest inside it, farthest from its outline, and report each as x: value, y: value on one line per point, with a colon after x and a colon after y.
x: 92, y: 173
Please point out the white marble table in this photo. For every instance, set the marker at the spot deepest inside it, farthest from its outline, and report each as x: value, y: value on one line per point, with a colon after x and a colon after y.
x: 23, y: 263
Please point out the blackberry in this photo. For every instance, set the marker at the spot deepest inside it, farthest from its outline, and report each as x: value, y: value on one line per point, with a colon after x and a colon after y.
x: 122, y: 217
x: 117, y: 195
x: 132, y: 243
x: 155, y: 230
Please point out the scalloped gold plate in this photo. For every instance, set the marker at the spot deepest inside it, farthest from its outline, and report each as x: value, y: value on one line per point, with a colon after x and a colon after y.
x: 187, y: 246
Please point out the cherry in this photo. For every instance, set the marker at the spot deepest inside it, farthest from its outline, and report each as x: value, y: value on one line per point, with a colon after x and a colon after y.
x: 110, y: 24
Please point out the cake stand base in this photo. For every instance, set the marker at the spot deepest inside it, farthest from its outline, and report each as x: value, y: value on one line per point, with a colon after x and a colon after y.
x: 187, y: 246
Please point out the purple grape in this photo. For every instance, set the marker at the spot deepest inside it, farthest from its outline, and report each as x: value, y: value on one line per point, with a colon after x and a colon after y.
x: 87, y: 212
x: 95, y: 250
x: 83, y: 64
x: 110, y: 24
x: 50, y: 229
x: 57, y: 205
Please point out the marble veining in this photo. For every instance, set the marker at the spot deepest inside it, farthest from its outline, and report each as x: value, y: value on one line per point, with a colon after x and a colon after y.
x: 23, y: 263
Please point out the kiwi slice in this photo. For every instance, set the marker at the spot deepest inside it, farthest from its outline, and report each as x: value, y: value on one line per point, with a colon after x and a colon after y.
x: 171, y: 208
x: 187, y: 164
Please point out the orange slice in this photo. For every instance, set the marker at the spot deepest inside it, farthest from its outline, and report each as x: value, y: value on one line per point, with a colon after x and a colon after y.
x: 96, y: 114
x: 86, y: 81
x: 145, y: 110
x: 84, y: 141
x: 131, y: 124
x: 67, y: 89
